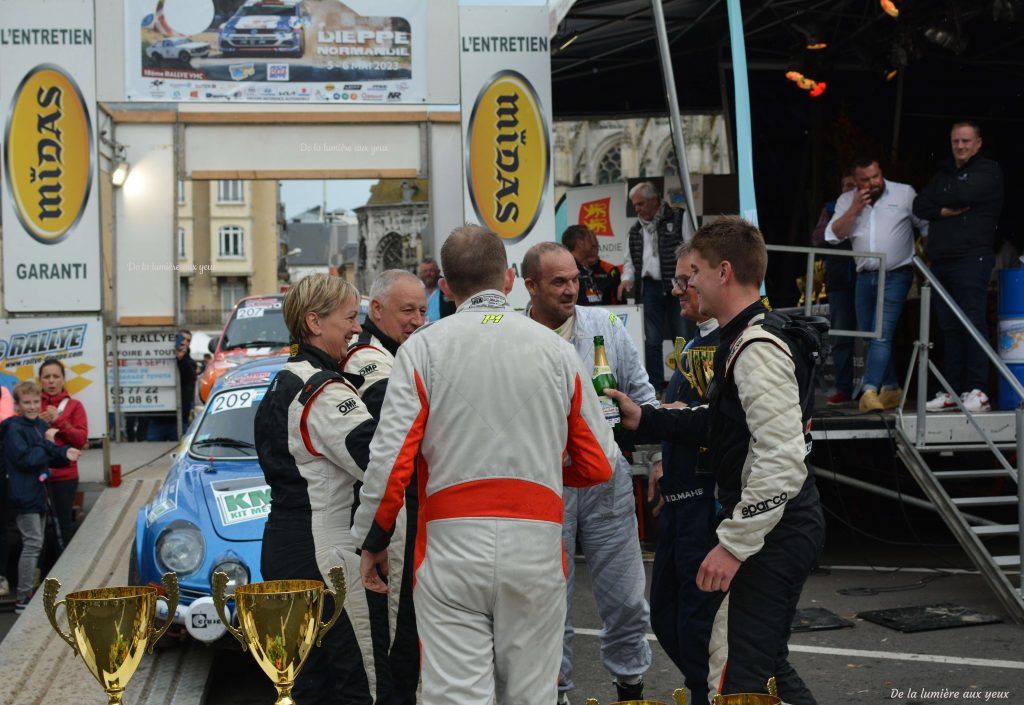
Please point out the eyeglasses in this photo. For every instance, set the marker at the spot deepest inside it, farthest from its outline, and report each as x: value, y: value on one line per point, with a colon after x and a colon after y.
x: 681, y: 282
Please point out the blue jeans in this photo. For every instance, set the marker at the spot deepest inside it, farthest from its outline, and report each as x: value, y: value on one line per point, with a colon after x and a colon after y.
x: 964, y: 363
x: 879, y: 371
x: 657, y: 303
x: 843, y: 315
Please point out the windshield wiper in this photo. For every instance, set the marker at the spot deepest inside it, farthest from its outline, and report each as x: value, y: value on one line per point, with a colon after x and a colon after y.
x: 223, y: 441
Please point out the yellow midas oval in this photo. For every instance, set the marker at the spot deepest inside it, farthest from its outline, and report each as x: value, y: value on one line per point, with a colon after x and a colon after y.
x: 48, y: 153
x: 508, y: 156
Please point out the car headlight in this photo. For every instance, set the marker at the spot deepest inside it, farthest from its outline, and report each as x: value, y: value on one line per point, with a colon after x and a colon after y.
x: 181, y: 548
x: 237, y: 574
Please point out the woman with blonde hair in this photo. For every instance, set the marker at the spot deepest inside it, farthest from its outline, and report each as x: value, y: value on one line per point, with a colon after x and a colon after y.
x: 313, y: 441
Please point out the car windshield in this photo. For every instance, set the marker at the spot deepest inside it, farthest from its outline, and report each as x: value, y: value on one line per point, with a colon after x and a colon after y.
x: 226, y: 429
x: 267, y: 9
x: 256, y: 324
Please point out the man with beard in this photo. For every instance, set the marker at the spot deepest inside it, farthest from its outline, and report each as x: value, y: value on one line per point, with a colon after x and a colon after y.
x: 599, y: 280
x: 878, y: 217
x: 604, y: 514
x: 398, y: 304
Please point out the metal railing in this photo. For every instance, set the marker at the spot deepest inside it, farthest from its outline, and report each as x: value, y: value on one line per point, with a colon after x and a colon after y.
x: 812, y: 253
x: 921, y: 353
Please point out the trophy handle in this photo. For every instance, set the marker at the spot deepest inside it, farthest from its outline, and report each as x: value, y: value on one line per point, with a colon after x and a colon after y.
x: 170, y: 581
x: 772, y: 690
x: 51, y: 586
x: 679, y: 696
x: 337, y: 576
x: 718, y: 700
x: 220, y: 601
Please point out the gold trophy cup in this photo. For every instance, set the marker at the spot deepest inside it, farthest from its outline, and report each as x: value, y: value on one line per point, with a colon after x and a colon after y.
x: 678, y: 697
x: 110, y: 628
x: 278, y: 622
x: 750, y: 698
x: 700, y: 367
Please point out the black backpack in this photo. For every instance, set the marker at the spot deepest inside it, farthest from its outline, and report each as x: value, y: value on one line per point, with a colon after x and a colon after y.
x: 807, y: 337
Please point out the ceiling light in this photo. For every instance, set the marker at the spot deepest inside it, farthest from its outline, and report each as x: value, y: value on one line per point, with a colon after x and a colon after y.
x: 891, y: 74
x: 889, y: 7
x: 570, y: 40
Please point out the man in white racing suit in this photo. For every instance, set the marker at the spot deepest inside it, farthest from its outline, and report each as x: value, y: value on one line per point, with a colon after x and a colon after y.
x: 398, y: 306
x: 496, y: 413
x: 605, y: 515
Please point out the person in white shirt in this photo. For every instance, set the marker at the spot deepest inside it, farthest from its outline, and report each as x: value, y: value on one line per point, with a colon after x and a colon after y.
x: 878, y: 217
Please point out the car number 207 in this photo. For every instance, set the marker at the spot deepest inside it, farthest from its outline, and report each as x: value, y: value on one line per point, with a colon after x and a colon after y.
x: 229, y: 401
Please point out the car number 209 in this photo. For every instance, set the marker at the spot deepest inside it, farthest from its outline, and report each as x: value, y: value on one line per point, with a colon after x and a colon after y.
x: 229, y: 401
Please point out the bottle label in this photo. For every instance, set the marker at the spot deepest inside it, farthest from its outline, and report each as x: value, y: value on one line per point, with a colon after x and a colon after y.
x: 610, y: 411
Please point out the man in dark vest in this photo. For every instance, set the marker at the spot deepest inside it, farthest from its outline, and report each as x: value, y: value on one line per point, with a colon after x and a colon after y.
x: 653, y: 240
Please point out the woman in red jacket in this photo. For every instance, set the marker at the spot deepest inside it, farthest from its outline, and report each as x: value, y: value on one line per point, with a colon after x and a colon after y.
x: 67, y: 415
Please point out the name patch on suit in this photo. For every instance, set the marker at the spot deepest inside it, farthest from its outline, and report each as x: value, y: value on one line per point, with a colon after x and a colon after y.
x: 372, y: 367
x: 347, y: 406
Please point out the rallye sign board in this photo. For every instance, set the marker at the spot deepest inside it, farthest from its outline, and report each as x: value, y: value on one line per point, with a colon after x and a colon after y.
x: 147, y: 369
x: 506, y: 117
x: 51, y: 237
x: 76, y: 342
x: 277, y: 51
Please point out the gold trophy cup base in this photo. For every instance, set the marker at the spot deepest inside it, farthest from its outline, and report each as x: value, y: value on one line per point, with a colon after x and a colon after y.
x: 678, y: 697
x: 284, y: 695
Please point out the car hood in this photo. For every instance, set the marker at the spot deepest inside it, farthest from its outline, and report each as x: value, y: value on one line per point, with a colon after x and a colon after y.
x: 263, y: 22
x: 240, y: 356
x: 236, y: 495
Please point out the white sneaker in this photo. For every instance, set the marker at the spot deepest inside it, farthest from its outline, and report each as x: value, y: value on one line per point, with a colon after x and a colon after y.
x: 941, y: 402
x: 563, y: 698
x: 975, y: 401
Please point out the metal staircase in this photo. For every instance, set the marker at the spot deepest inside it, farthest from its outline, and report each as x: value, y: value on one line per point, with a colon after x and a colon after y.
x: 962, y: 462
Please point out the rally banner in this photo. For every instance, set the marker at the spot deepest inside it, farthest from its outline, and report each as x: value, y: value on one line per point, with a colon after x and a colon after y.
x: 147, y: 370
x: 51, y: 227
x: 276, y: 51
x: 76, y: 342
x: 506, y: 118
x: 603, y: 210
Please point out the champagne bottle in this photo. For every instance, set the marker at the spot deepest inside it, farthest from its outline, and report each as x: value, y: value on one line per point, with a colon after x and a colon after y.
x: 604, y: 379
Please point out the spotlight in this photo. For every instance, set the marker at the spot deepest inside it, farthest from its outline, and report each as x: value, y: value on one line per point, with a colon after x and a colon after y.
x: 818, y: 89
x: 945, y: 38
x: 889, y: 7
x: 120, y: 173
x: 891, y: 74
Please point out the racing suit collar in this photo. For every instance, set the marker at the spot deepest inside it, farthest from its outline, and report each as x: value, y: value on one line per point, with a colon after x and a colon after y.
x: 487, y: 300
x: 389, y: 344
x: 732, y: 330
x: 316, y: 357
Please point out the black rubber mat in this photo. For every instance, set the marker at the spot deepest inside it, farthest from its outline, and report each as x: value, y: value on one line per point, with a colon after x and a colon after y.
x: 817, y: 619
x: 944, y: 615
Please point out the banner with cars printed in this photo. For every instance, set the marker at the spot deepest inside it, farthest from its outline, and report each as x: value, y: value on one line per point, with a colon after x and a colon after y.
x: 50, y: 211
x: 76, y: 342
x: 276, y: 51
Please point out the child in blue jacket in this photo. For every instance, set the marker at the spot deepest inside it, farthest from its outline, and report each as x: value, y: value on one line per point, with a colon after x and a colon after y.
x: 29, y: 453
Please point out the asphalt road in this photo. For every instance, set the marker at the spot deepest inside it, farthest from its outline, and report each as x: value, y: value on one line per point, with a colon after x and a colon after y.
x: 861, y: 665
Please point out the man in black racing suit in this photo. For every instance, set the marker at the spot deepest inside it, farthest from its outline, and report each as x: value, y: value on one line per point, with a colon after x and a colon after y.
x: 771, y: 528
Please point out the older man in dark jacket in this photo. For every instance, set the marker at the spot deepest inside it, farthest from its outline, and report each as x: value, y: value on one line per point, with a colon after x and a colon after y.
x: 963, y: 202
x: 653, y: 240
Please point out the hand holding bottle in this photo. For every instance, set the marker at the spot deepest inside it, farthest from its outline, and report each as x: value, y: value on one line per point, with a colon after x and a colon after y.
x: 629, y: 412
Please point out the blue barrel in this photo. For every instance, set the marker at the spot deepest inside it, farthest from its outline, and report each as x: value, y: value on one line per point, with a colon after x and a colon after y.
x: 1011, y: 332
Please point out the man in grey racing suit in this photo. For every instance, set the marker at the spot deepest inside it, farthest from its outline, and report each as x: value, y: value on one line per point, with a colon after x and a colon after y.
x: 495, y: 413
x: 605, y: 514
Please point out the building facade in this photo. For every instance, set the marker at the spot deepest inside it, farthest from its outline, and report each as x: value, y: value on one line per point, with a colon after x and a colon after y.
x: 227, y: 246
x: 393, y: 225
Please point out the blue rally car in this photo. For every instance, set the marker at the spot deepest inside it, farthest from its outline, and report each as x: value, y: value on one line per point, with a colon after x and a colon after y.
x: 265, y: 27
x: 210, y: 512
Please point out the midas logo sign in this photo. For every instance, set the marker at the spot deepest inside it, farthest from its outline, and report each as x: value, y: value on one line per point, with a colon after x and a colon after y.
x: 596, y: 216
x: 48, y: 153
x: 508, y: 156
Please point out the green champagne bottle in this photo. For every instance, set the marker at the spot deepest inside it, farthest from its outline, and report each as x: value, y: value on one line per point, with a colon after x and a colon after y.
x: 604, y: 379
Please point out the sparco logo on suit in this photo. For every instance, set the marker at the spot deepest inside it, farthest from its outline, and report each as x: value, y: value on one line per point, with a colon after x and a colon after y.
x: 507, y: 156
x: 48, y: 153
